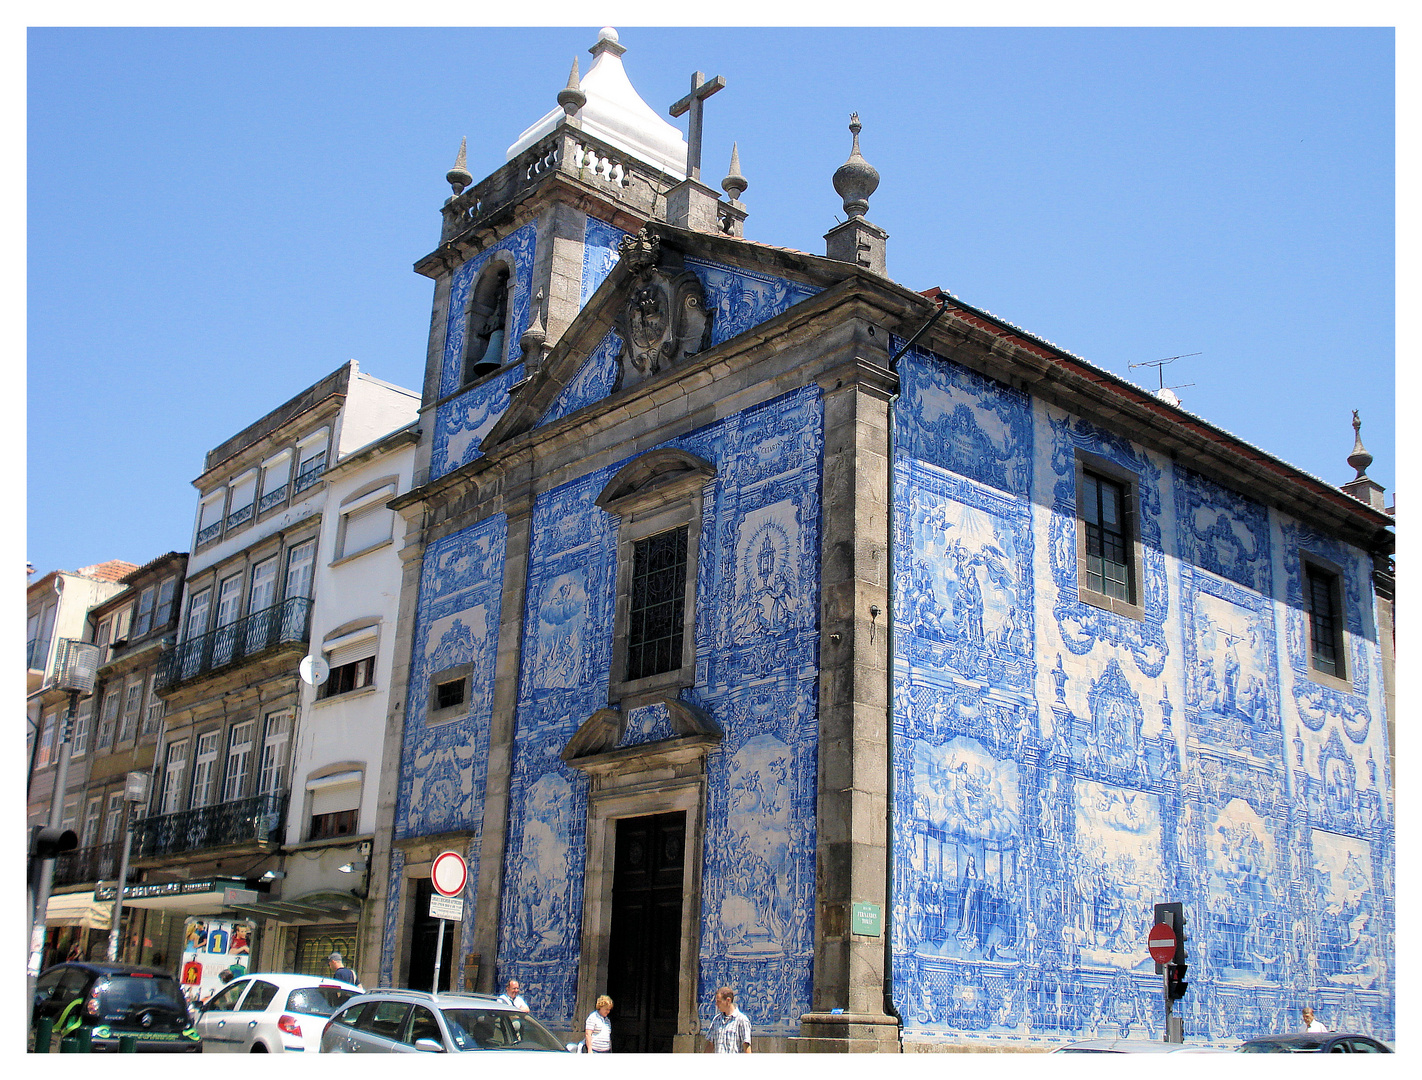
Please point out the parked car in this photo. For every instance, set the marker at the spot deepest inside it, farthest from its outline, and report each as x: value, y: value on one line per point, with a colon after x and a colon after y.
x: 114, y: 1000
x: 1323, y: 1042
x: 271, y: 1013
x: 1133, y: 1046
x: 391, y: 1021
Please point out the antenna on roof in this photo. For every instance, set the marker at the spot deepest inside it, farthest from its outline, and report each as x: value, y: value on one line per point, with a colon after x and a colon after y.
x: 1166, y: 393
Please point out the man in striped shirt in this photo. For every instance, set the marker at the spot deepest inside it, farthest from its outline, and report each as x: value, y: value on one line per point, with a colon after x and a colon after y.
x: 729, y: 1032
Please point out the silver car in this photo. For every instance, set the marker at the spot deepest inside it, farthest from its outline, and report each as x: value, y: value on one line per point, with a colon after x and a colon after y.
x: 270, y: 1013
x: 389, y: 1021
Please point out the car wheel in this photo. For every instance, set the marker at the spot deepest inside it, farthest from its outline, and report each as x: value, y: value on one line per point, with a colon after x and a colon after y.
x: 259, y: 1048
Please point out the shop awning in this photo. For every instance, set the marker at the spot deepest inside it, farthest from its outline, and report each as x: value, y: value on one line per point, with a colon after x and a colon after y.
x: 206, y: 897
x: 78, y: 909
x: 321, y: 906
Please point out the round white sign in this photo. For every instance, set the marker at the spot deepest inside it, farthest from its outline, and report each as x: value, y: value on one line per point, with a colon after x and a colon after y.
x: 449, y: 873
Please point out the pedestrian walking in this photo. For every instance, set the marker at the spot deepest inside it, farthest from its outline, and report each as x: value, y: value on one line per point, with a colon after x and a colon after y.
x: 511, y: 996
x: 729, y: 1032
x: 1309, y: 1023
x: 597, y: 1031
x: 340, y: 971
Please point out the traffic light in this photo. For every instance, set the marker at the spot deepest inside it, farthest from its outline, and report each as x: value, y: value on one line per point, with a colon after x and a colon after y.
x: 1177, y: 984
x: 1181, y: 956
x: 47, y: 841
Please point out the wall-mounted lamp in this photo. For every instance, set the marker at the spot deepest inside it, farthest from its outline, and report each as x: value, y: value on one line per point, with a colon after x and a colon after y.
x: 273, y: 875
x: 873, y: 614
x: 356, y: 866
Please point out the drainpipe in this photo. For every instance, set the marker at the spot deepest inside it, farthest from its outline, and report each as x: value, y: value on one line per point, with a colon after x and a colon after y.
x: 889, y: 1006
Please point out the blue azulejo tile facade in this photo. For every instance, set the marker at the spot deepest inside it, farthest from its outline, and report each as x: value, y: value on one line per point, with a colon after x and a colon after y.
x: 461, y: 422
x: 1059, y: 767
x: 443, y: 764
x: 756, y: 614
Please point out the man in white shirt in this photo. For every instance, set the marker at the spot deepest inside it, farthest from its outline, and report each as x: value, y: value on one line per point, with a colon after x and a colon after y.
x: 511, y: 996
x: 1310, y: 1024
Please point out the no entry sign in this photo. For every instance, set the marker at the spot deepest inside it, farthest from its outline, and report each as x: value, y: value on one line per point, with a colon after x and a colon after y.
x: 449, y: 873
x: 1161, y: 943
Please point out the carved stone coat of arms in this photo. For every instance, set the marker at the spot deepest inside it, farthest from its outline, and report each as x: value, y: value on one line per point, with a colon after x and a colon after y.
x: 664, y: 319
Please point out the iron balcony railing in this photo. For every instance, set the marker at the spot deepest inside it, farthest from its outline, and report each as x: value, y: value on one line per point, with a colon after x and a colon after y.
x: 211, y: 532
x: 289, y: 621
x: 272, y: 498
x: 239, y: 516
x: 90, y: 864
x: 309, y: 477
x: 259, y: 819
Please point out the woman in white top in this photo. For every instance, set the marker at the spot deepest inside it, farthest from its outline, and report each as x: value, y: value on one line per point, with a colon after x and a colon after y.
x: 597, y: 1033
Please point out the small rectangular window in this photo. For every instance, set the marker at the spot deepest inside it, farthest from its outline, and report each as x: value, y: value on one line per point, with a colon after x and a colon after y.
x: 108, y: 720
x: 1325, y: 623
x: 657, y: 613
x: 448, y: 695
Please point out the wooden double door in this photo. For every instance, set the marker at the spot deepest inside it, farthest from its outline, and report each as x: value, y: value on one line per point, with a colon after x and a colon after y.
x: 644, y: 962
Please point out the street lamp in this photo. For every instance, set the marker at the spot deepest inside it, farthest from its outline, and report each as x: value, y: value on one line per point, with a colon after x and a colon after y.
x: 135, y: 794
x: 75, y: 670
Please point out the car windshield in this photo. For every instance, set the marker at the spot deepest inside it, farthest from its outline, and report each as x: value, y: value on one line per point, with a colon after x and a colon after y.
x: 122, y: 993
x: 318, y: 1000
x: 1269, y: 1046
x: 490, y: 1029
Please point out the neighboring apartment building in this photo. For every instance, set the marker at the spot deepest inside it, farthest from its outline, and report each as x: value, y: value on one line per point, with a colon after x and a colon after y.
x: 57, y: 607
x: 335, y: 764
x: 222, y: 779
x: 132, y: 628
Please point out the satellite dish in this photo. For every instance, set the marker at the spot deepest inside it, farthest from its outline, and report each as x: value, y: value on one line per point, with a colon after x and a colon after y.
x: 314, y: 670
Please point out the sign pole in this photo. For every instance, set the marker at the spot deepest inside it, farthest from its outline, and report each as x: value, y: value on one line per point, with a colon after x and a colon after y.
x: 449, y: 874
x: 439, y: 956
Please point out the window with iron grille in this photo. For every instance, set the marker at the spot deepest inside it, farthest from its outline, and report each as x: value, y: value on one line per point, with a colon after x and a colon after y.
x: 1325, y: 625
x: 657, y: 612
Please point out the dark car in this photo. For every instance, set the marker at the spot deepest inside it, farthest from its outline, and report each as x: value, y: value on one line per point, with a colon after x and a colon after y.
x: 1323, y: 1042
x: 114, y: 1000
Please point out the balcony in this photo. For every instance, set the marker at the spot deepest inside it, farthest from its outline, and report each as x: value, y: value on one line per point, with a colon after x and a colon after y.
x: 257, y: 820
x: 90, y: 864
x: 289, y: 621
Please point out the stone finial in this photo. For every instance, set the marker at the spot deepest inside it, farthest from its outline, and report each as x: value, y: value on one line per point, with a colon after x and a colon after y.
x: 607, y: 42
x: 856, y: 179
x: 735, y: 184
x: 537, y: 332
x: 571, y: 97
x: 459, y: 177
x: 1360, y: 459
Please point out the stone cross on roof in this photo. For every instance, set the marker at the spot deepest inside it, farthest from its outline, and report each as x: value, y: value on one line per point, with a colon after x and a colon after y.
x: 694, y: 101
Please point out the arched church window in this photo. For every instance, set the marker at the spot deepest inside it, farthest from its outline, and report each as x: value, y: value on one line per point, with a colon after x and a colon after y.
x: 484, y: 325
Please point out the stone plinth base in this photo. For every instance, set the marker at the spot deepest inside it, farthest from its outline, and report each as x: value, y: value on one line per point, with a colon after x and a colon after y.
x: 845, y: 1033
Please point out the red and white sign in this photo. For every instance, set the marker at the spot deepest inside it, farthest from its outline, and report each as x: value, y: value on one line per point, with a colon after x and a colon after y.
x: 449, y: 873
x: 1161, y: 943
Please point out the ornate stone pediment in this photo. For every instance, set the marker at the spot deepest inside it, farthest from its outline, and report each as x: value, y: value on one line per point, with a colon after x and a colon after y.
x: 664, y: 319
x: 695, y: 730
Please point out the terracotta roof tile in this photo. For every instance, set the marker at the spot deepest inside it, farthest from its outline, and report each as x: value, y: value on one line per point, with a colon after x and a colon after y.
x: 113, y: 570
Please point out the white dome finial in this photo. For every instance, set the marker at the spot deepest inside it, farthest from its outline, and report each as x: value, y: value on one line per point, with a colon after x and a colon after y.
x: 607, y: 33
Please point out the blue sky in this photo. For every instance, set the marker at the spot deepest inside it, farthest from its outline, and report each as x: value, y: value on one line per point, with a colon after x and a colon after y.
x: 219, y: 217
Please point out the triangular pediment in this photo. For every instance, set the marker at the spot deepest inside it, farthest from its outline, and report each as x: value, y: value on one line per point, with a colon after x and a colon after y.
x: 673, y: 294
